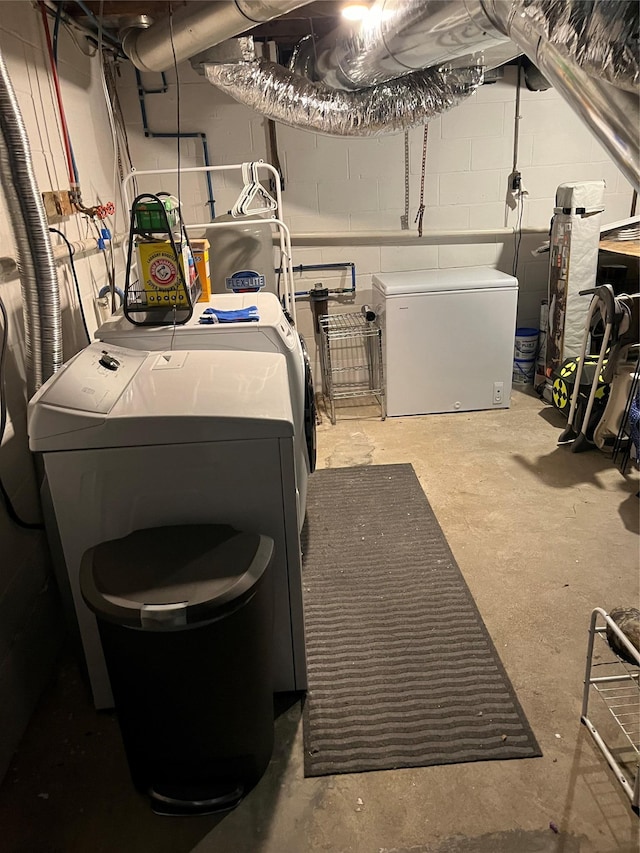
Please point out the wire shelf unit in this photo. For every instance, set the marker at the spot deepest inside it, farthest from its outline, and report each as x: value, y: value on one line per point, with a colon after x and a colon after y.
x: 351, y: 360
x: 617, y: 684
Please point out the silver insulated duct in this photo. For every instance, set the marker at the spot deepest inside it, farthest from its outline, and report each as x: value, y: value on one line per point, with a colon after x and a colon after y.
x: 589, y: 52
x: 387, y: 108
x: 587, y: 49
x: 38, y: 277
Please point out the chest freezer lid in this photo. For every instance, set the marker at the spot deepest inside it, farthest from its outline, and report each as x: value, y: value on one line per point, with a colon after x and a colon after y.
x: 436, y: 281
x: 161, y: 398
x: 117, y: 329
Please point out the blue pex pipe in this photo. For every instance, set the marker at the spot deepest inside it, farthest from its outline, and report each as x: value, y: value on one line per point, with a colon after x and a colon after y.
x: 150, y: 134
x: 337, y: 266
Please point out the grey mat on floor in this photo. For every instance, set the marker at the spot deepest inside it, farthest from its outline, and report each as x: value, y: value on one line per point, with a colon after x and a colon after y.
x: 402, y: 671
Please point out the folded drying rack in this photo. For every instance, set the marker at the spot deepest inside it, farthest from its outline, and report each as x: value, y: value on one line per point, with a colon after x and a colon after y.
x: 616, y: 682
x: 252, y: 190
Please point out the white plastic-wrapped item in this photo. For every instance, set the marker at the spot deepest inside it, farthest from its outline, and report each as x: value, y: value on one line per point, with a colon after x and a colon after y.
x: 573, y: 262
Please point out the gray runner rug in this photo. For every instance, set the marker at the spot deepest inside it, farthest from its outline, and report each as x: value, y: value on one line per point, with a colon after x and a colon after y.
x: 402, y: 671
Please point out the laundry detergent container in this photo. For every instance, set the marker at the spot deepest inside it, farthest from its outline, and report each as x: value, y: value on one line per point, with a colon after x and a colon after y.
x: 185, y: 616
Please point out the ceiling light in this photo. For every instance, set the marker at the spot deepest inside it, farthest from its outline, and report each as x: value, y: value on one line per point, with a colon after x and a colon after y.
x: 355, y: 11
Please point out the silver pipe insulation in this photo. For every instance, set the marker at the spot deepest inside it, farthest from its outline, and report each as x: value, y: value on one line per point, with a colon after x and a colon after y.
x: 387, y: 108
x: 34, y: 255
x: 397, y: 37
x: 611, y: 113
x: 196, y: 27
x: 600, y: 37
x: 400, y: 36
x: 587, y: 50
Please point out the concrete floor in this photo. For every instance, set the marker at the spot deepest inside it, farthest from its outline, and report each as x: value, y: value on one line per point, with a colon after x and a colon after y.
x: 542, y: 536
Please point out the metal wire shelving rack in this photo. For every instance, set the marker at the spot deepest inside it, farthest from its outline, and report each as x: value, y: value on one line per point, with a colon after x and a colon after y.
x: 619, y: 689
x: 351, y: 360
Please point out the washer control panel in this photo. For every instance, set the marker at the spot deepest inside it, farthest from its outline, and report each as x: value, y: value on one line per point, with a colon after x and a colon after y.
x: 94, y: 380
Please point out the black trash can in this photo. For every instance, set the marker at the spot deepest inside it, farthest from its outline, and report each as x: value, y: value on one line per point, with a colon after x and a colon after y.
x: 185, y: 615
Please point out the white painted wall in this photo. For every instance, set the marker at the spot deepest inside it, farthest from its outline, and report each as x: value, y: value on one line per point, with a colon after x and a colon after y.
x: 355, y: 185
x: 30, y: 622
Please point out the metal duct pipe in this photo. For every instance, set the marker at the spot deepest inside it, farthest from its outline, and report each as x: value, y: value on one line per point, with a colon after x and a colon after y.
x: 38, y: 277
x: 568, y: 40
x: 397, y: 37
x: 400, y: 36
x: 196, y: 27
x: 600, y: 36
x: 612, y: 114
x: 387, y: 108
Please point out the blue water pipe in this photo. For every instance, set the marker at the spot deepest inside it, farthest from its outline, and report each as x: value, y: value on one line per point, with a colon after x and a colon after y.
x: 150, y: 134
x: 338, y: 266
x: 106, y: 36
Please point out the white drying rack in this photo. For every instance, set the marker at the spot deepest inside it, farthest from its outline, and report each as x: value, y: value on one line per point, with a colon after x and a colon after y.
x: 251, y: 169
x: 620, y: 691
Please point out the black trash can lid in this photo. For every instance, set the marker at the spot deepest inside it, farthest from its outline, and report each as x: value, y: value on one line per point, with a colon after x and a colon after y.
x: 164, y: 578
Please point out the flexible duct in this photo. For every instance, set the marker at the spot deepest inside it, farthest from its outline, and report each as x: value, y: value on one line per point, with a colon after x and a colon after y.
x: 34, y: 255
x: 389, y: 107
x: 400, y: 36
x: 585, y: 49
x: 196, y: 27
x: 600, y: 37
x: 397, y: 37
x: 610, y: 112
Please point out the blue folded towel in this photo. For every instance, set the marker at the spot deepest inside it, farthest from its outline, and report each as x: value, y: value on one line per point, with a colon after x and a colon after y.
x: 241, y: 315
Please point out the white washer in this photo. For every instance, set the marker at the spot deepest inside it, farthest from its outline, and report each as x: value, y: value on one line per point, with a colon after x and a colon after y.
x: 154, y: 439
x: 271, y: 333
x: 448, y: 338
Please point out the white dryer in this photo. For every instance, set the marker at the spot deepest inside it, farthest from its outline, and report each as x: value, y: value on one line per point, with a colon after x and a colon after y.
x: 271, y: 333
x: 133, y: 440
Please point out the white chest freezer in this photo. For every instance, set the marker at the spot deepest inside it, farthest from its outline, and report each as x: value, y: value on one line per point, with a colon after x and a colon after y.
x: 134, y: 440
x: 448, y: 339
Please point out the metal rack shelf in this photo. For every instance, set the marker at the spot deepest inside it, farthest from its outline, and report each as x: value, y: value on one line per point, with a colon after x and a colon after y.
x: 619, y: 689
x: 351, y: 360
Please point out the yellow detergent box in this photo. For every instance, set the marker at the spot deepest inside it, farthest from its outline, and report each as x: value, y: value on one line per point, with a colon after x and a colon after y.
x: 200, y: 249
x: 159, y: 274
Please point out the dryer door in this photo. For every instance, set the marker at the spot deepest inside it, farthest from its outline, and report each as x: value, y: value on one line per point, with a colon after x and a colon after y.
x: 309, y: 408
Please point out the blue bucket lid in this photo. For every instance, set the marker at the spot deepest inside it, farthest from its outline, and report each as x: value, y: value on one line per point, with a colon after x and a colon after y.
x: 526, y: 332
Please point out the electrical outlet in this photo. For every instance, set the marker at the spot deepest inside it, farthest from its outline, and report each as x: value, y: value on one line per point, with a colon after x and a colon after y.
x: 498, y: 392
x: 515, y: 181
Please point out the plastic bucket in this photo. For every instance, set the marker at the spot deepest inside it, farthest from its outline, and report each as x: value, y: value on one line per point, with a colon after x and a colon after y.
x: 524, y: 370
x: 526, y: 345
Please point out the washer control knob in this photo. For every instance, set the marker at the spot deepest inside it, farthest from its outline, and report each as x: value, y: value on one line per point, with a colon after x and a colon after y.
x: 108, y: 361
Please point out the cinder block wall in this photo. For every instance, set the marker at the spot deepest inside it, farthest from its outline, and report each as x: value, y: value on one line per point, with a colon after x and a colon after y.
x: 351, y: 186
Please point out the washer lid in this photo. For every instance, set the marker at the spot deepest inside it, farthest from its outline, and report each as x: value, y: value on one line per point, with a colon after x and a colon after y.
x: 165, y: 578
x: 271, y: 333
x: 434, y: 281
x: 117, y: 328
x: 167, y: 398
